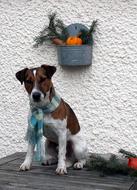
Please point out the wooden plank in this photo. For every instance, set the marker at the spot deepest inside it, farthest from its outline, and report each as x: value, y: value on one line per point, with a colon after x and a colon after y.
x: 38, y: 168
x: 56, y: 182
x: 133, y: 186
x: 111, y: 181
x: 85, y: 175
x: 50, y: 170
x: 14, y: 164
x: 44, y: 177
x: 9, y: 158
x: 5, y: 186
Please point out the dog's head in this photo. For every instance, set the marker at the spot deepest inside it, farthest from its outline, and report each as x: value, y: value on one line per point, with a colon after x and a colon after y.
x: 37, y: 82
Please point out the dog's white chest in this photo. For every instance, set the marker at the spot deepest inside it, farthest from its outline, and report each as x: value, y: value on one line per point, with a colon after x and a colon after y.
x: 53, y: 127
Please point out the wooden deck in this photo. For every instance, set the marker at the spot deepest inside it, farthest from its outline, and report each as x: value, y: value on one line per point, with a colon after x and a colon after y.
x: 44, y: 177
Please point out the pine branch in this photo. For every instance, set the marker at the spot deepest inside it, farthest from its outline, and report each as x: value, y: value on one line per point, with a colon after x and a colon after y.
x: 55, y: 29
x: 52, y: 20
x: 63, y: 33
x: 127, y: 154
x: 87, y: 35
x: 92, y: 27
x: 110, y: 167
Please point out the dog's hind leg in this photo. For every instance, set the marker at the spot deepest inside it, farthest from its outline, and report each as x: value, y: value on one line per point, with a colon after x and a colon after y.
x: 50, y: 155
x: 80, y: 151
x: 70, y: 159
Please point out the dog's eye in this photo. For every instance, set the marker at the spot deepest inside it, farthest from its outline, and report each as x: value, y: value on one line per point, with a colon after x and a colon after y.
x: 42, y: 80
x: 28, y: 81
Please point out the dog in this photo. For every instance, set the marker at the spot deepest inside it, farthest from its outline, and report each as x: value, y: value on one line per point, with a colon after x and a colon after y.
x: 64, y: 142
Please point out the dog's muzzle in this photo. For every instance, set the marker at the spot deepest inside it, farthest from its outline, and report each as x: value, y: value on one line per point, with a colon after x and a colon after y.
x: 36, y: 96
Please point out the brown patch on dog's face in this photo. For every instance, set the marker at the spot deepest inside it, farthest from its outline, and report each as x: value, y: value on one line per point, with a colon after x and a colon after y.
x: 43, y: 82
x: 29, y: 81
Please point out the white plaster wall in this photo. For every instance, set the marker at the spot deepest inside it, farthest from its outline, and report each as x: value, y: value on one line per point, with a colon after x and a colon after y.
x: 104, y: 96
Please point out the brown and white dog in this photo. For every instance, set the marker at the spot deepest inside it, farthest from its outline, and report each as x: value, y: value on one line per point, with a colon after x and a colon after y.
x: 64, y: 143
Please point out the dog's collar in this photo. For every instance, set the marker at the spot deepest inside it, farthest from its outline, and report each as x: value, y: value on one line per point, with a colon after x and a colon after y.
x: 36, y: 123
x: 50, y: 107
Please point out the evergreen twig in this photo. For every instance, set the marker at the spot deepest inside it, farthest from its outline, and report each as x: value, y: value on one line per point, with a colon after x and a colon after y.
x: 92, y: 27
x: 127, y: 154
x: 55, y: 29
x: 87, y: 35
x: 110, y: 167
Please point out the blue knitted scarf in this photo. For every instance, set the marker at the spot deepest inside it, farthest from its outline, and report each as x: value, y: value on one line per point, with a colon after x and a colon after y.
x: 36, y: 123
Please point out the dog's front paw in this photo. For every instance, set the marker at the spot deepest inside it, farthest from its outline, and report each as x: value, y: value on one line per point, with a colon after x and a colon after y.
x: 26, y: 165
x: 61, y: 170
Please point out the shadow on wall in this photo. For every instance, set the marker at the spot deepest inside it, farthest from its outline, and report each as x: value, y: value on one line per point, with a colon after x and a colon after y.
x: 76, y: 69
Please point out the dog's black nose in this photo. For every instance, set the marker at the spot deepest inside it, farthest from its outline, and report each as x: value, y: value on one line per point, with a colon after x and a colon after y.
x: 36, y: 96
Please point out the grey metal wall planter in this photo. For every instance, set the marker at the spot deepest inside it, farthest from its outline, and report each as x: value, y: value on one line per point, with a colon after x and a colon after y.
x: 75, y: 55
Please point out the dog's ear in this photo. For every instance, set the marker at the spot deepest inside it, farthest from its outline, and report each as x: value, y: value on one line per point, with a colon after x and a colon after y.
x: 49, y: 70
x: 20, y: 75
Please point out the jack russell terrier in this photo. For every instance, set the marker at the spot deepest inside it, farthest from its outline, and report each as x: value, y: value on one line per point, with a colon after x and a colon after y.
x: 64, y: 144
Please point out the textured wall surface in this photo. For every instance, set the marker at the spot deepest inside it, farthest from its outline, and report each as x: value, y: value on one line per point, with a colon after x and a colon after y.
x: 104, y: 96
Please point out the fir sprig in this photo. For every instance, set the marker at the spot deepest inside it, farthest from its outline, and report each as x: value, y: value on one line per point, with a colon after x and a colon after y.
x: 55, y: 29
x: 127, y: 154
x: 87, y: 35
x: 111, y: 166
